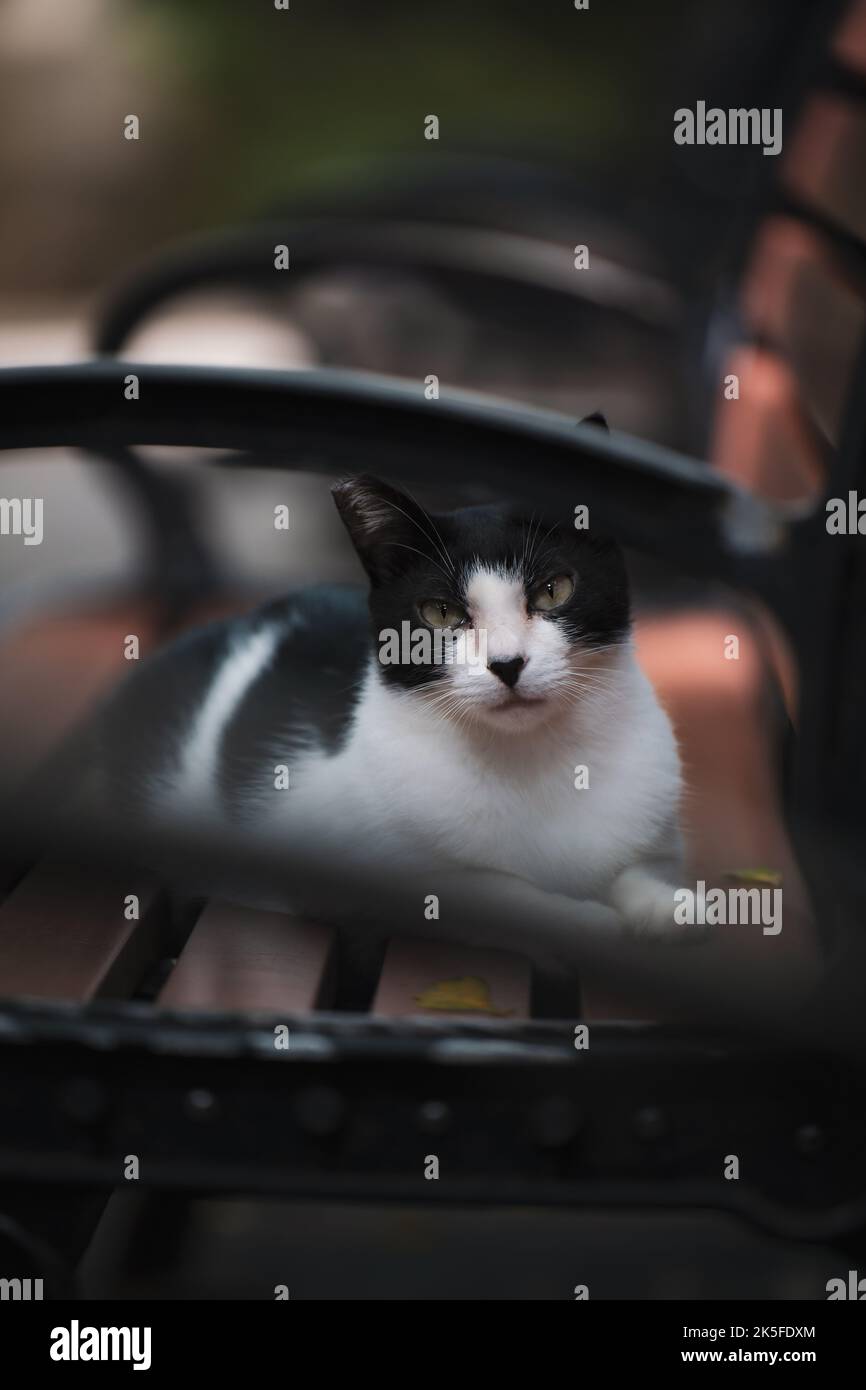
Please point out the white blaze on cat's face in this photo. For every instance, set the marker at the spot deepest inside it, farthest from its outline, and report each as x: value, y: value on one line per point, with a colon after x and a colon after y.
x: 497, y: 607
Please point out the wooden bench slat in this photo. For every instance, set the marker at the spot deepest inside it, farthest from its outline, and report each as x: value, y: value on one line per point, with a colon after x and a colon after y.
x: 64, y: 934
x: 795, y: 298
x: 762, y: 438
x: 55, y: 669
x: 240, y: 958
x: 38, y: 710
x: 850, y: 42
x: 824, y: 166
x: 419, y: 974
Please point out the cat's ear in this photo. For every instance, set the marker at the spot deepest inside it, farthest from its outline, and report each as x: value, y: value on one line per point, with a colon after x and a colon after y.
x: 597, y: 419
x: 384, y: 523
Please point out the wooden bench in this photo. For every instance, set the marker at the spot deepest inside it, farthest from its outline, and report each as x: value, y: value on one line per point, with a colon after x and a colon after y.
x: 66, y: 937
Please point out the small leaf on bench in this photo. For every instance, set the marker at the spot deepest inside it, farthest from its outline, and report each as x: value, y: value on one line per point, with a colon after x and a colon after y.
x: 468, y: 994
x: 768, y: 878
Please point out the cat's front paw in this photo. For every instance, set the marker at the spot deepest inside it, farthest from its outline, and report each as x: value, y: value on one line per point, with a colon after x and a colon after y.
x: 648, y: 906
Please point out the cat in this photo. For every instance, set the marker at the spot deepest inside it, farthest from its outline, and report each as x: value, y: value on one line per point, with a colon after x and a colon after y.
x: 480, y: 707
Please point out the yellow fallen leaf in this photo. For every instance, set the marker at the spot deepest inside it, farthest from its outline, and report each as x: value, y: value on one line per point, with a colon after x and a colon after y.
x: 771, y: 878
x: 468, y: 994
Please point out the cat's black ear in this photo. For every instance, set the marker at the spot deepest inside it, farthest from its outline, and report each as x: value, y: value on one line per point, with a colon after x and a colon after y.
x: 385, y: 524
x: 597, y: 419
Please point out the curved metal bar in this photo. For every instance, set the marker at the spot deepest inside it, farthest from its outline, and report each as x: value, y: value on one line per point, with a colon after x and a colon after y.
x: 327, y: 421
x: 450, y: 253
x: 179, y: 563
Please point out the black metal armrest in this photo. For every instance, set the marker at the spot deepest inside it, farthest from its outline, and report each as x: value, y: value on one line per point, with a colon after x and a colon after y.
x: 323, y: 421
x: 461, y: 259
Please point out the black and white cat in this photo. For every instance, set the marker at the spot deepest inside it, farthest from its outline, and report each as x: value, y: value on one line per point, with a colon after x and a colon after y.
x: 528, y: 741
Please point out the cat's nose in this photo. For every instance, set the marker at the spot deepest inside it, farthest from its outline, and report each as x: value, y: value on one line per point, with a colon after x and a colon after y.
x: 508, y: 671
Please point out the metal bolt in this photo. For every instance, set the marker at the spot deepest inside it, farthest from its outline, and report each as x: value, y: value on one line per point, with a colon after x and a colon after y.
x: 809, y: 1140
x: 434, y: 1117
x: 200, y: 1104
x: 84, y: 1100
x: 554, y: 1121
x: 650, y: 1123
x: 320, y: 1110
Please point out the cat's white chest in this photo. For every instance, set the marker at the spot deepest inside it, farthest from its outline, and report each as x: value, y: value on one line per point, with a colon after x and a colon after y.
x: 567, y: 810
x: 543, y: 828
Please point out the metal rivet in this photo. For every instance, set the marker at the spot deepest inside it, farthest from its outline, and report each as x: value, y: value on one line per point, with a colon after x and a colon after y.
x: 650, y: 1123
x: 809, y: 1140
x: 434, y: 1117
x: 554, y: 1121
x: 320, y: 1110
x: 200, y: 1104
x: 84, y: 1100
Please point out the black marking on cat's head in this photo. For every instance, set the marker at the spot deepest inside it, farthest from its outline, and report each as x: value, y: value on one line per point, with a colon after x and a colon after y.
x: 487, y: 562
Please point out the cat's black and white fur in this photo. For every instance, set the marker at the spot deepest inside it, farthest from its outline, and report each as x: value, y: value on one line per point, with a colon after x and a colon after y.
x: 426, y: 765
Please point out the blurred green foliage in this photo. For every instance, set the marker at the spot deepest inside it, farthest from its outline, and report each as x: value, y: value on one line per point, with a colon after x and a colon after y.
x: 287, y: 101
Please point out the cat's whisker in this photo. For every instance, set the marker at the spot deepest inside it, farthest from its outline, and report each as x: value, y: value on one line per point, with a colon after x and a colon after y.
x: 443, y: 547
x: 588, y: 678
x: 580, y: 687
x: 445, y: 700
x: 530, y: 540
x: 403, y: 546
x: 594, y: 683
x: 536, y: 558
x: 438, y: 544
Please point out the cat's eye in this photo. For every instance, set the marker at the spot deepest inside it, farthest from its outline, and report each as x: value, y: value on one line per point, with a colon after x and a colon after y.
x: 439, y: 613
x: 552, y: 593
